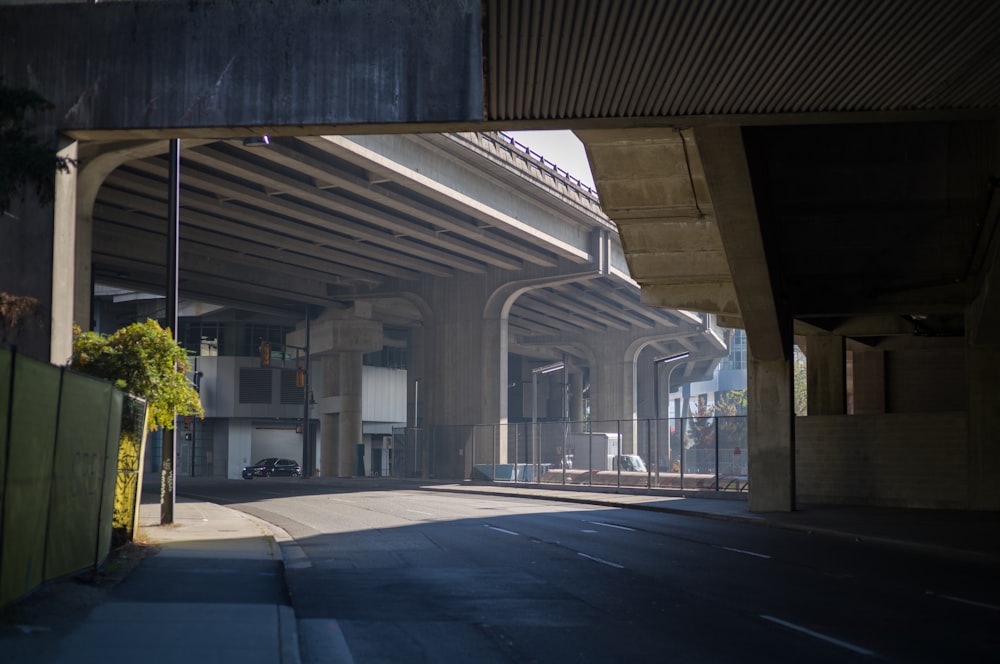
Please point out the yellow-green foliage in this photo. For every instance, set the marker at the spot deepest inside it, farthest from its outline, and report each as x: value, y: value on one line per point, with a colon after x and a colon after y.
x: 127, y: 484
x: 127, y: 488
x: 142, y: 359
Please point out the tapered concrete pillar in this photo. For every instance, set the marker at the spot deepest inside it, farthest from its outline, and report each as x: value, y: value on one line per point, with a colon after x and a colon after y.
x: 613, y: 385
x: 826, y: 368
x: 465, y: 380
x: 340, y: 432
x: 771, y: 436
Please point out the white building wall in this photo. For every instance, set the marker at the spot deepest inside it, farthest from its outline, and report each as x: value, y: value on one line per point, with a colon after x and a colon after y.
x: 383, y: 395
x: 240, y: 436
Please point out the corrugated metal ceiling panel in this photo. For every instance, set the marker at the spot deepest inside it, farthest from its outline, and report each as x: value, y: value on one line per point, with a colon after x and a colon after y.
x: 562, y: 59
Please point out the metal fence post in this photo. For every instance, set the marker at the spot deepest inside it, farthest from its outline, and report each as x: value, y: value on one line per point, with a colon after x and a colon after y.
x: 716, y: 452
x: 649, y: 468
x: 618, y: 457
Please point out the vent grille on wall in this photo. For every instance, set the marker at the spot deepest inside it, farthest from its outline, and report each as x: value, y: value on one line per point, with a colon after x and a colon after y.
x: 255, y: 385
x: 291, y: 394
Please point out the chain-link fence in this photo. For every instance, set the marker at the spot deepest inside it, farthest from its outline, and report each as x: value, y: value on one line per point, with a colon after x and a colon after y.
x: 690, y: 453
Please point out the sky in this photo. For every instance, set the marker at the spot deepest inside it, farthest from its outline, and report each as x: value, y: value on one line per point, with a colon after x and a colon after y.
x: 562, y: 148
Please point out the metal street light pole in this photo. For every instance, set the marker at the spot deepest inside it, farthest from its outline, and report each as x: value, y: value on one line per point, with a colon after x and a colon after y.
x: 656, y: 399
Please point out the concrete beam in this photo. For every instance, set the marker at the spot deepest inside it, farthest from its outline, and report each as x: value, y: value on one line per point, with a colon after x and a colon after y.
x: 652, y: 184
x: 240, y: 68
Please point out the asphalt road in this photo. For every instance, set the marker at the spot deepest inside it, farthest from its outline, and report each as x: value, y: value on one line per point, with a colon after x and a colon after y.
x: 421, y: 576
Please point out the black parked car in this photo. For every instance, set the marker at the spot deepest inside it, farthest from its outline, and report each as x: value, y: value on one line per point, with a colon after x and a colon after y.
x: 272, y: 466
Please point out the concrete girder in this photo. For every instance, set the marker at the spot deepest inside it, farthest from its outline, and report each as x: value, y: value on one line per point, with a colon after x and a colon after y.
x: 324, y: 178
x: 215, y: 206
x: 568, y: 312
x: 461, y: 201
x: 631, y: 316
x: 328, y: 200
x: 292, y: 279
x: 242, y: 239
x: 343, y: 225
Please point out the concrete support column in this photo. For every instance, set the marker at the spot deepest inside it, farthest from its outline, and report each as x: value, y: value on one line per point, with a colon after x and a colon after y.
x: 612, y: 389
x: 338, y: 341
x: 982, y: 369
x: 340, y: 430
x: 826, y: 369
x: 869, y: 382
x: 771, y: 435
x: 466, y: 372
x: 64, y: 261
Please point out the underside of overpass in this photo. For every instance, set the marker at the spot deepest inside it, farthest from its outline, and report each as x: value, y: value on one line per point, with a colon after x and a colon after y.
x: 816, y: 171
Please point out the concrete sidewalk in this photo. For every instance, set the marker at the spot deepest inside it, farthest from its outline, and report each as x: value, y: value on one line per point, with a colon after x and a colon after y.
x: 213, y: 592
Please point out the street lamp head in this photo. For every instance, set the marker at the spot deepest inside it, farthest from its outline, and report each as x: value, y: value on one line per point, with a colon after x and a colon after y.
x: 671, y: 358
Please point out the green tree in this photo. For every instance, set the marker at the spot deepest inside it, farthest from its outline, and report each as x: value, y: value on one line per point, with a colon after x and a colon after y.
x: 728, y: 414
x: 800, y: 381
x: 24, y: 157
x: 142, y: 359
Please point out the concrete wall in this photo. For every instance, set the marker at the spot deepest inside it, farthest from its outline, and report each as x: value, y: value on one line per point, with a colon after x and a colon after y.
x: 900, y: 460
x: 925, y: 381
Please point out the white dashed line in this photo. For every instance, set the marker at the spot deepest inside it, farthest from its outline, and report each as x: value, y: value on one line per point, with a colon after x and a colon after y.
x: 746, y: 553
x: 600, y: 560
x: 611, y: 525
x: 972, y: 602
x: 821, y: 637
x: 501, y: 530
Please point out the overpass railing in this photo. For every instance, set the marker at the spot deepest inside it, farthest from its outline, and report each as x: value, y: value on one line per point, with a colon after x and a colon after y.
x: 689, y: 453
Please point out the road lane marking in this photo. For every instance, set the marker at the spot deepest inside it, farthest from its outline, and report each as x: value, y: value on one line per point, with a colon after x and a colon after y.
x: 611, y: 525
x: 501, y: 530
x: 419, y: 512
x: 589, y: 531
x: 972, y: 602
x: 600, y: 560
x: 745, y: 552
x: 821, y: 637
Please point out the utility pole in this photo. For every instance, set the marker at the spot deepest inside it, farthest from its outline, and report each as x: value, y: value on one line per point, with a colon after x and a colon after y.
x: 168, y: 491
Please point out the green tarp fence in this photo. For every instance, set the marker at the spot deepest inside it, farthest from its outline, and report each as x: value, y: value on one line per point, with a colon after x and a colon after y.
x: 59, y: 434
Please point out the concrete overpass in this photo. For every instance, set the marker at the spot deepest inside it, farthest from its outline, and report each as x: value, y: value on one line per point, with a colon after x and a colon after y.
x: 480, y: 251
x: 826, y: 169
